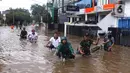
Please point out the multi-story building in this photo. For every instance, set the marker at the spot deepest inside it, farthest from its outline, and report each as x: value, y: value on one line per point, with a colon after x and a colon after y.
x: 113, y: 14
x: 103, y: 13
x: 99, y: 12
x: 58, y: 9
x: 61, y: 6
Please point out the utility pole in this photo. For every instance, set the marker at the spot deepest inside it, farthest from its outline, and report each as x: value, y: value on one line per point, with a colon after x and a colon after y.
x: 41, y: 19
x: 47, y: 21
x: 4, y: 17
x: 13, y: 17
x: 62, y: 6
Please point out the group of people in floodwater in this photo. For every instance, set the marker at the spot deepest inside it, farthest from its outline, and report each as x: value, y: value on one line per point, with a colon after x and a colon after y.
x: 66, y: 51
x: 32, y: 36
x: 64, y: 48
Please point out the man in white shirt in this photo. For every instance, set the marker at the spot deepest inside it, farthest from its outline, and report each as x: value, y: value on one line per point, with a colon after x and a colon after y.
x: 54, y: 41
x: 33, y: 36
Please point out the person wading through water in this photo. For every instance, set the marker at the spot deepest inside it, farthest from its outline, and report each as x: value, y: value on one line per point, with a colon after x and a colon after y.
x: 108, y: 42
x: 23, y: 34
x: 85, y: 44
x: 65, y: 50
x: 54, y: 41
x: 33, y: 37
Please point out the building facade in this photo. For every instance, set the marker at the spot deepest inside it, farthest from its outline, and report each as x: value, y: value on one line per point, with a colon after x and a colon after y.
x: 61, y: 5
x: 99, y: 12
x: 108, y: 12
x: 62, y: 12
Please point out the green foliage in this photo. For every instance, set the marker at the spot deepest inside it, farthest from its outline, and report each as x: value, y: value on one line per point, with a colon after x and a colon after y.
x: 38, y: 11
x: 18, y: 14
x: 1, y: 17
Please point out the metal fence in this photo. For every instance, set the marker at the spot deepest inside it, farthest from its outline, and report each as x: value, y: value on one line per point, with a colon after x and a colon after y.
x: 125, y: 37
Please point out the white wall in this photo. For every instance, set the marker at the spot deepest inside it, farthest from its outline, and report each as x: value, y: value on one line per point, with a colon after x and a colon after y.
x: 127, y: 8
x: 107, y: 21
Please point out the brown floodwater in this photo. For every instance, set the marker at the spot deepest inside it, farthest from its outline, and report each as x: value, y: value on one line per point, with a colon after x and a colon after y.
x: 21, y: 56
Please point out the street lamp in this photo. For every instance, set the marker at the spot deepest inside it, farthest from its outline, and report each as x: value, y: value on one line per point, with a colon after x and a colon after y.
x: 47, y: 19
x: 13, y: 17
x: 4, y: 17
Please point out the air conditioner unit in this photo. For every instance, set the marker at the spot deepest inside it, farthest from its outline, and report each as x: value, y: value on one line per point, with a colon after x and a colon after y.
x: 118, y: 11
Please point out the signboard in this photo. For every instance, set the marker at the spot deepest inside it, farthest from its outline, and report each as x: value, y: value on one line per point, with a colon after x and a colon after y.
x: 63, y: 18
x: 108, y: 6
x: 81, y: 5
x: 72, y: 8
x: 49, y: 4
x: 88, y: 10
x: 119, y: 10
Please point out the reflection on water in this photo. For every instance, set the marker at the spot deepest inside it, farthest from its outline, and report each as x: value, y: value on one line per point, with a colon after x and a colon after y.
x: 1, y: 67
x: 116, y: 61
x: 21, y: 56
x: 23, y: 43
x: 64, y: 67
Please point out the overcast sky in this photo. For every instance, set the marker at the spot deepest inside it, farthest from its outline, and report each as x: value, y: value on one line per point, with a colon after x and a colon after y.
x: 6, y: 4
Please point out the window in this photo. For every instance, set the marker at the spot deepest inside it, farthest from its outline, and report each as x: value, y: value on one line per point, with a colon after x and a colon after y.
x: 112, y: 1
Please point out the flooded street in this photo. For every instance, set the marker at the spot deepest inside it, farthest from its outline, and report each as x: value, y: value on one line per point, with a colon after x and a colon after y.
x: 21, y: 56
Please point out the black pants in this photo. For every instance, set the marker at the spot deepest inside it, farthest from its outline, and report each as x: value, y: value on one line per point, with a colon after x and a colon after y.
x: 52, y: 47
x: 65, y: 54
x: 23, y: 37
x: 86, y: 51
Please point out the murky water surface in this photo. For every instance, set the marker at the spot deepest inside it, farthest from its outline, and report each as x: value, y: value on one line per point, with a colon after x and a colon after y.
x: 21, y: 56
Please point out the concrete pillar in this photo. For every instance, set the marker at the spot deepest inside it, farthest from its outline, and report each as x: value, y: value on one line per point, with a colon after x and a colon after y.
x: 71, y: 19
x: 77, y: 18
x: 116, y: 22
x: 86, y: 17
x: 99, y: 17
x: 65, y: 30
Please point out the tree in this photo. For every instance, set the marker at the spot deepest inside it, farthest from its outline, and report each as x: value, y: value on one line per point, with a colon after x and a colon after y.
x: 1, y: 16
x: 39, y: 11
x: 16, y: 15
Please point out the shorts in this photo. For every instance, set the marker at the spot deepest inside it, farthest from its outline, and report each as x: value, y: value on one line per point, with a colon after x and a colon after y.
x: 52, y: 47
